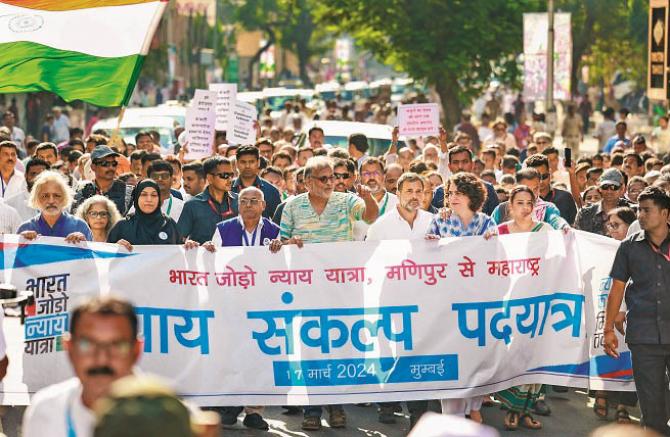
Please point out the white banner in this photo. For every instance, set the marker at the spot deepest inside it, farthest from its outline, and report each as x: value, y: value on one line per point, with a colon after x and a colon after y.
x: 241, y: 124
x: 226, y: 95
x: 200, y: 122
x: 419, y: 119
x: 334, y: 323
x: 535, y: 38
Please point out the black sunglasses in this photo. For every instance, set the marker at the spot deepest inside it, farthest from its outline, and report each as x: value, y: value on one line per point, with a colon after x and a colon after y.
x: 224, y: 175
x: 324, y: 179
x: 106, y: 163
x: 609, y: 187
x: 341, y: 175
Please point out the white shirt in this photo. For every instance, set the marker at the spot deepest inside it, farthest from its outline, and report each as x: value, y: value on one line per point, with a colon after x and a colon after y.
x: 18, y: 136
x: 392, y: 226
x: 250, y: 241
x: 175, y: 207
x: 175, y: 210
x: 48, y: 412
x: 20, y: 203
x: 633, y: 228
x: 61, y: 129
x: 9, y: 220
x: 16, y: 184
x: 388, y: 202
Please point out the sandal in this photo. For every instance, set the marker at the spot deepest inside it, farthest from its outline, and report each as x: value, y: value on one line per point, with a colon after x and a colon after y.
x: 512, y: 421
x: 476, y: 416
x: 527, y: 421
x: 622, y: 417
x: 601, y: 409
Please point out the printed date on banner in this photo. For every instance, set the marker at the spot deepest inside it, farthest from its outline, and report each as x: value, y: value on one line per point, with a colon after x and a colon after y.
x: 360, y: 371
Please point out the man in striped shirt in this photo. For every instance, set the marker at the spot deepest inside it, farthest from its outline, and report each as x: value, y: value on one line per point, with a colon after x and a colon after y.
x: 321, y: 216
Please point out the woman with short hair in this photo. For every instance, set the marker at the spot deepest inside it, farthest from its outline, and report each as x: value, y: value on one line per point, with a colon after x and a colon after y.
x: 100, y: 214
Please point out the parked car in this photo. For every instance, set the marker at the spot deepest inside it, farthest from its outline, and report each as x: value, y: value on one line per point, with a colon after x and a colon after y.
x: 337, y: 134
x: 162, y: 119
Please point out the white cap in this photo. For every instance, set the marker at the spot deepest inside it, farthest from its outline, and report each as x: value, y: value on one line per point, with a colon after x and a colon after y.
x: 442, y: 425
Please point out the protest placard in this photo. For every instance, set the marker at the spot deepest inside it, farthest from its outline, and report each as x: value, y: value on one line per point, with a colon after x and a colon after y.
x: 242, y: 118
x: 419, y: 119
x: 226, y: 95
x: 200, y: 122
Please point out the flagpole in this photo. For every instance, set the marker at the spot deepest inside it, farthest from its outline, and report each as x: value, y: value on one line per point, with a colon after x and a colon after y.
x: 122, y: 112
x: 116, y: 133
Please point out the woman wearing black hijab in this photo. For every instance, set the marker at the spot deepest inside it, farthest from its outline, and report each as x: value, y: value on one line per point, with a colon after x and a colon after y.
x: 147, y: 225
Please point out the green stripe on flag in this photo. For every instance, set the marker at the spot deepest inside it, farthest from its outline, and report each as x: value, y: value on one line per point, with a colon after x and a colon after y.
x: 27, y: 66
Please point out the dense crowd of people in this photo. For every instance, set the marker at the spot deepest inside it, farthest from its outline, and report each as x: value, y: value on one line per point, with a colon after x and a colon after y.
x: 478, y: 180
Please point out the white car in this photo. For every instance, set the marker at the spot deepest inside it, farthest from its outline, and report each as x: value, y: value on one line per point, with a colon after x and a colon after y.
x: 337, y: 134
x: 162, y: 119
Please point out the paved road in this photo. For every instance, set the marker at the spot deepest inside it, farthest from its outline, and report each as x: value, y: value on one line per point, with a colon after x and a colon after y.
x: 571, y: 414
x: 571, y: 417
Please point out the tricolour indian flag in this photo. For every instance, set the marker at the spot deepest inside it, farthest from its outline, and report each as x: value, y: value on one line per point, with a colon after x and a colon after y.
x: 91, y: 50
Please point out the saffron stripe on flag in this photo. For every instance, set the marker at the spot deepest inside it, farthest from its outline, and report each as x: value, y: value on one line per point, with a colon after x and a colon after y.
x: 68, y: 5
x: 104, y: 31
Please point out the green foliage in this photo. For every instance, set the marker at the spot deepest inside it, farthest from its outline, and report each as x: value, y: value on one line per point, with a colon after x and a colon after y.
x: 289, y: 22
x: 456, y: 45
x: 609, y: 36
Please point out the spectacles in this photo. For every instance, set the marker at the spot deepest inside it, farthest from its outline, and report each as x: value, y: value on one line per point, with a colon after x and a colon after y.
x: 160, y: 176
x: 98, y: 214
x: 249, y: 202
x: 370, y: 174
x: 612, y: 226
x: 609, y: 187
x: 341, y: 175
x: 324, y: 179
x: 544, y: 176
x: 106, y: 163
x: 224, y: 175
x: 119, y: 348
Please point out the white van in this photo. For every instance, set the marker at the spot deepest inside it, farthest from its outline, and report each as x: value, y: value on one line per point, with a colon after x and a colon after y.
x: 162, y: 119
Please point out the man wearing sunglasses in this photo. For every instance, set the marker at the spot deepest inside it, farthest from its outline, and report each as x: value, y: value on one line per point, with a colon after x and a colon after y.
x: 102, y: 347
x: 321, y: 216
x: 216, y: 203
x: 611, y: 186
x: 562, y: 199
x: 103, y: 164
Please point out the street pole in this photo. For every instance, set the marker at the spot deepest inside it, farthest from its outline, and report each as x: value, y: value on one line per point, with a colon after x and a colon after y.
x: 550, y: 110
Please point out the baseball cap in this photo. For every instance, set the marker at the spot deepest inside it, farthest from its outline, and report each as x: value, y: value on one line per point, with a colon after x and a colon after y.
x: 611, y: 176
x: 102, y: 152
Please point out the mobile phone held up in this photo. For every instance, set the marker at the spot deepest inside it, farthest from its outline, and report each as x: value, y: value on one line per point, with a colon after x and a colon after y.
x: 567, y: 155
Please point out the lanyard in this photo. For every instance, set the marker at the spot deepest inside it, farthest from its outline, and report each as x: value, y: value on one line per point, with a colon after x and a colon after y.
x: 70, y: 432
x: 658, y: 251
x: 4, y: 187
x: 386, y: 201
x: 253, y: 236
x: 224, y: 215
x: 169, y: 208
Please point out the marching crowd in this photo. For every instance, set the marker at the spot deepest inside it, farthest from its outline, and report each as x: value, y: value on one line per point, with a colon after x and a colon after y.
x: 280, y: 191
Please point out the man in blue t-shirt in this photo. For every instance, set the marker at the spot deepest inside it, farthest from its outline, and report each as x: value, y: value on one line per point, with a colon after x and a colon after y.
x: 51, y: 196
